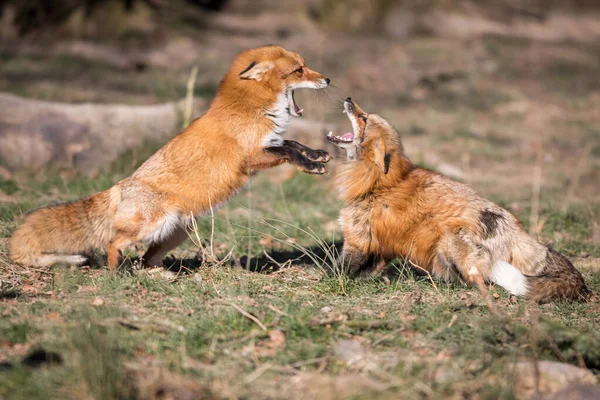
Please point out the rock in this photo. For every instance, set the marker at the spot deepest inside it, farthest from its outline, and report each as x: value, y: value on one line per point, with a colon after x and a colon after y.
x: 327, y: 387
x: 350, y: 351
x: 553, y: 376
x: 573, y: 392
x: 197, y: 278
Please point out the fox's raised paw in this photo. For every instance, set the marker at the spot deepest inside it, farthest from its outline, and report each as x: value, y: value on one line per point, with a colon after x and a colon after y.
x: 320, y: 156
x: 313, y: 168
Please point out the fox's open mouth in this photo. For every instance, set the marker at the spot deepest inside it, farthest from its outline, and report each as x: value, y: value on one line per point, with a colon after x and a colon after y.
x: 347, y: 137
x: 295, y: 110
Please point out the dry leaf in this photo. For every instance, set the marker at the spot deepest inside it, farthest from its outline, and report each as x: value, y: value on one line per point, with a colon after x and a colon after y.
x: 29, y: 289
x: 53, y: 316
x: 276, y: 339
x: 407, y: 319
x: 86, y: 289
x: 467, y: 299
x: 98, y: 301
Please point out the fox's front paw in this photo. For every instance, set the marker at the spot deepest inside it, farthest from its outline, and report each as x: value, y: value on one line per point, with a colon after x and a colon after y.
x: 320, y: 156
x: 312, y: 168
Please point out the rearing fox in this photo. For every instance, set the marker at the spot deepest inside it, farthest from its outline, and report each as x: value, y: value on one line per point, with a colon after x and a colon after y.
x: 198, y: 169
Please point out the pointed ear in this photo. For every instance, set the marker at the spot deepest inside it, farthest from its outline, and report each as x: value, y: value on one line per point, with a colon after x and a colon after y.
x: 380, y: 156
x: 256, y: 70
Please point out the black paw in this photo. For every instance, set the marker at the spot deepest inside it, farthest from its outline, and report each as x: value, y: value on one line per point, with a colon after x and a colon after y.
x: 312, y: 168
x: 320, y: 156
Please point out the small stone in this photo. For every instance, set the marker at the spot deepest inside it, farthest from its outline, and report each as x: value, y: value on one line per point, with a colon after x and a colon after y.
x: 326, y: 310
x: 350, y: 351
x: 98, y: 301
x: 197, y: 278
x: 553, y: 376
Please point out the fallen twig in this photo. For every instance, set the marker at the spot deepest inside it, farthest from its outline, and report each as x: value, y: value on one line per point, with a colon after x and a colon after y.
x: 429, y: 276
x: 358, y: 324
x: 277, y: 310
x: 257, y: 373
x: 249, y: 316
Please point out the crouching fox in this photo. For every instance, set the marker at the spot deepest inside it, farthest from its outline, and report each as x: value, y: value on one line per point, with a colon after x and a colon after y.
x: 394, y: 208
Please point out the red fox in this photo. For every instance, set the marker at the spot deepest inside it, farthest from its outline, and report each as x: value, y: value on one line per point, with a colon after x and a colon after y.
x: 394, y: 208
x: 203, y: 166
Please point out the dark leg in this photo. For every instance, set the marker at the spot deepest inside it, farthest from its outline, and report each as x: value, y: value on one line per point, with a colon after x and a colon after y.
x: 156, y: 251
x: 352, y: 261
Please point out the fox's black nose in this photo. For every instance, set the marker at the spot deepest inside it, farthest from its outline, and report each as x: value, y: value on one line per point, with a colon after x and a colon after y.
x: 349, y: 99
x: 327, y: 80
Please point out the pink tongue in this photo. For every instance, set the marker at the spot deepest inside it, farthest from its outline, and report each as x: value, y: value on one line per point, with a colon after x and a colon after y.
x: 348, y: 136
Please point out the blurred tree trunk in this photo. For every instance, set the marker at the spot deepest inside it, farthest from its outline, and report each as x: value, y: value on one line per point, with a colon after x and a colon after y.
x: 35, y: 135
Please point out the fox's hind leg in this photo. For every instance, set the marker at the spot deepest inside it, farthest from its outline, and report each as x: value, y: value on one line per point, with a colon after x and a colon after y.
x: 156, y: 251
x: 462, y: 254
x: 352, y: 260
x: 472, y: 258
x: 115, y: 248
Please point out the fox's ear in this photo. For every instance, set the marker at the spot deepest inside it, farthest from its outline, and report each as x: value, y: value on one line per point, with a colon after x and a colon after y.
x: 381, y: 156
x: 256, y: 70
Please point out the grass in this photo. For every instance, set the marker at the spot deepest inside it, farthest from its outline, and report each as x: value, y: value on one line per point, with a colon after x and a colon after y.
x: 142, y: 333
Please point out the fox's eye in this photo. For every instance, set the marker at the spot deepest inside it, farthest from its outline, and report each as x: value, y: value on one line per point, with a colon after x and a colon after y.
x: 299, y: 72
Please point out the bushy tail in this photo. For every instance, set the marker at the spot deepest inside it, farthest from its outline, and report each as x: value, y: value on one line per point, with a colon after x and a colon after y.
x: 557, y: 280
x: 58, y: 233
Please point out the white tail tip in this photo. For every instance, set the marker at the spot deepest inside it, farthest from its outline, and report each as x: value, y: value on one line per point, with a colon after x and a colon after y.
x: 510, y: 278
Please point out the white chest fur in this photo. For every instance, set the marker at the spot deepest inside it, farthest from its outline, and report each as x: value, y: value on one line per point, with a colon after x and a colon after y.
x: 279, y: 113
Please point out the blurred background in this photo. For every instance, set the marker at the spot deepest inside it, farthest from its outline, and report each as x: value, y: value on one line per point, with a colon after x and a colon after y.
x: 503, y: 95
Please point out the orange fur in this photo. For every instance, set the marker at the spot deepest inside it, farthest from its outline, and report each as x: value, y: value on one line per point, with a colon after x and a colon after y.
x: 394, y: 208
x: 198, y: 169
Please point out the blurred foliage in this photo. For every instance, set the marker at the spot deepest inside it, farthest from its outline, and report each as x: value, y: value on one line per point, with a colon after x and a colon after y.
x: 367, y: 16
x: 32, y: 15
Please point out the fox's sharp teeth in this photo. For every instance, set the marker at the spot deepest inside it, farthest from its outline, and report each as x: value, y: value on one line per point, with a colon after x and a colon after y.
x: 330, y: 134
